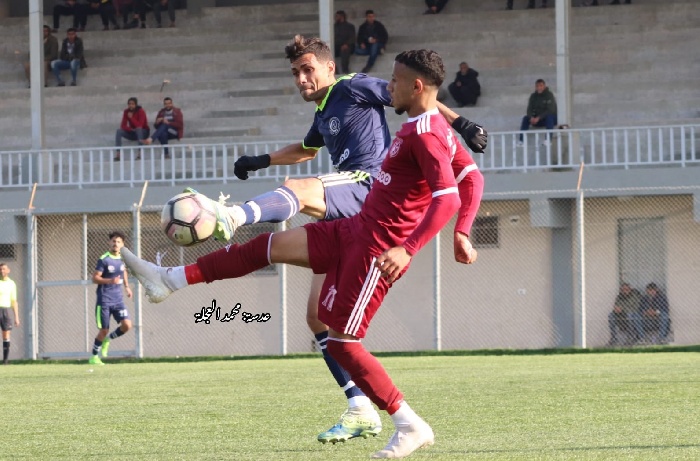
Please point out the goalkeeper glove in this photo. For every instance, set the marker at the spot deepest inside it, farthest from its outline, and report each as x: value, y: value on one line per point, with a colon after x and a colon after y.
x: 248, y: 163
x: 474, y: 135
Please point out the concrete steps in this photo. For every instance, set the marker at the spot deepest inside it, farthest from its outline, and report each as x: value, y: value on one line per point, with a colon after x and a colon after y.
x: 227, y: 70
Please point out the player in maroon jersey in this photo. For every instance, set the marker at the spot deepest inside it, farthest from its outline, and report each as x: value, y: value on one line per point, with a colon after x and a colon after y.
x: 425, y: 178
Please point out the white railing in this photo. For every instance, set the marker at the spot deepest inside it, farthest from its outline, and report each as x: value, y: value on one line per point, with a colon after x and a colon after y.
x: 628, y: 147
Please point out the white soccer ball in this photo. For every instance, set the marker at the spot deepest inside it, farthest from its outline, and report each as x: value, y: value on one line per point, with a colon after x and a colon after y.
x: 188, y: 219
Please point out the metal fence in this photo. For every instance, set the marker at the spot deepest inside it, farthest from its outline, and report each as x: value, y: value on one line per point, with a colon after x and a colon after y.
x: 540, y: 150
x: 547, y: 276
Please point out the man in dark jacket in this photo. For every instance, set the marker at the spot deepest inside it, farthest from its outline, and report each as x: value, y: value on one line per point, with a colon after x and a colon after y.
x: 50, y: 54
x: 372, y: 37
x: 169, y: 125
x: 654, y: 314
x: 344, y: 40
x: 541, y: 110
x: 70, y: 57
x: 466, y: 88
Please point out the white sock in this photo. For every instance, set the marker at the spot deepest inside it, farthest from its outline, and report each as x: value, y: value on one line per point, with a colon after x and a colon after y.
x: 404, y: 416
x: 237, y: 214
x: 175, y: 277
x: 359, y: 401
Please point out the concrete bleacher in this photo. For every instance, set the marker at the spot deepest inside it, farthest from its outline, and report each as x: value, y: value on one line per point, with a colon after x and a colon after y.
x: 631, y: 65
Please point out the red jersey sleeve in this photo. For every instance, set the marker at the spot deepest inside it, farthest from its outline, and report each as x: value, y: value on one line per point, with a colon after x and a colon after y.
x: 470, y: 183
x: 434, y: 155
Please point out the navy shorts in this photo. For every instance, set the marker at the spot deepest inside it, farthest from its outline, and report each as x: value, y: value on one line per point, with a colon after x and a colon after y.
x: 345, y: 193
x: 7, y: 318
x: 103, y: 314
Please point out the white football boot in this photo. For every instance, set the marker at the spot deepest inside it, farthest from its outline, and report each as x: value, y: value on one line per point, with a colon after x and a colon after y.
x: 406, y: 440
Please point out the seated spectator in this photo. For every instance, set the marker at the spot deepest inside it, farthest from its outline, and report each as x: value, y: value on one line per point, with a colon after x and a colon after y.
x: 466, y: 88
x: 134, y: 126
x: 71, y: 57
x: 169, y: 125
x: 69, y: 8
x: 343, y: 40
x: 372, y: 37
x: 50, y: 54
x: 434, y: 6
x: 530, y: 4
x: 617, y: 2
x: 135, y: 8
x: 158, y: 5
x: 622, y: 317
x: 541, y: 110
x: 654, y: 315
x: 107, y: 12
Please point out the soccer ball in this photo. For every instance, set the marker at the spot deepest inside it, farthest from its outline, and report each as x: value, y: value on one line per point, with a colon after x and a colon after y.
x: 188, y: 219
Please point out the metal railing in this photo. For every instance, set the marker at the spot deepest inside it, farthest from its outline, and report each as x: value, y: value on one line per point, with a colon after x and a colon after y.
x: 539, y: 150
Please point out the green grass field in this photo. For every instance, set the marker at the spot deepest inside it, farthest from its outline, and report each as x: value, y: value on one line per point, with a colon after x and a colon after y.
x: 591, y: 406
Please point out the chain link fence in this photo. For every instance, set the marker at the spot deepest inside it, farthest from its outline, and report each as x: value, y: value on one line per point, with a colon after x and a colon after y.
x: 548, y: 274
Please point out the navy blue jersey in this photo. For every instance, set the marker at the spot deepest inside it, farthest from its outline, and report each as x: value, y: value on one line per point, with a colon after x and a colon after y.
x: 351, y: 123
x: 110, y: 267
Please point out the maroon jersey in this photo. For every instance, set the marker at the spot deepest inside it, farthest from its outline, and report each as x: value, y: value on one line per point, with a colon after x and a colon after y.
x: 417, y: 170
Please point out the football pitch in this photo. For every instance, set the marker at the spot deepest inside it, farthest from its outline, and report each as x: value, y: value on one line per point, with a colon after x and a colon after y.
x: 586, y: 406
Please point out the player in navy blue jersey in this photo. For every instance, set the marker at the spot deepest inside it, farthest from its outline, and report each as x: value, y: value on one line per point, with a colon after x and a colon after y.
x: 426, y: 176
x: 350, y: 121
x: 111, y: 278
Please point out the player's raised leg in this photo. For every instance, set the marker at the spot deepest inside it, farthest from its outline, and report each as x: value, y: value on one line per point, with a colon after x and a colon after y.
x: 289, y: 247
x: 294, y: 196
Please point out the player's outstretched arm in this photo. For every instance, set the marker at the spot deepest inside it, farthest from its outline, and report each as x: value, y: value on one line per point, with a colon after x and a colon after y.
x: 288, y: 155
x: 473, y: 134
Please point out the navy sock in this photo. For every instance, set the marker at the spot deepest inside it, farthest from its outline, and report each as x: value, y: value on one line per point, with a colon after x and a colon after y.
x: 116, y: 333
x: 341, y: 376
x: 96, y: 347
x: 275, y: 206
x: 5, y: 349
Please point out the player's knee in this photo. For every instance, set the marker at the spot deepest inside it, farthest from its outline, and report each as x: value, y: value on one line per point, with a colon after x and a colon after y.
x: 315, y: 325
x: 126, y: 326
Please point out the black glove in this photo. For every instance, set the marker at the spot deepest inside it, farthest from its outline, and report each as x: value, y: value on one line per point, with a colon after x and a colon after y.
x: 474, y: 135
x: 248, y: 163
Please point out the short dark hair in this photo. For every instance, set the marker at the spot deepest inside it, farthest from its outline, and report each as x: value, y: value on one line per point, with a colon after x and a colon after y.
x: 427, y: 63
x: 301, y: 45
x: 369, y: 12
x: 652, y: 286
x: 167, y: 98
x: 133, y: 98
x: 342, y: 13
x: 47, y: 27
x: 539, y: 80
x: 72, y: 29
x: 117, y: 234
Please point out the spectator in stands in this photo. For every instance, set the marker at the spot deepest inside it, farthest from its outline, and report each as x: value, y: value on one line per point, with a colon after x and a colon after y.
x: 158, y: 5
x: 169, y: 125
x: 136, y: 8
x: 372, y: 37
x: 343, y: 40
x: 134, y: 126
x: 435, y: 6
x: 69, y: 8
x: 622, y: 317
x: 107, y: 12
x: 50, y: 54
x: 530, y: 4
x: 466, y: 88
x: 654, y: 314
x: 71, y: 57
x: 617, y: 2
x: 541, y: 110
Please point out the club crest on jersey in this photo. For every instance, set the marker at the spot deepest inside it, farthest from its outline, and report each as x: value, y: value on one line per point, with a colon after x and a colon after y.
x: 334, y: 126
x: 395, y: 146
x: 110, y: 268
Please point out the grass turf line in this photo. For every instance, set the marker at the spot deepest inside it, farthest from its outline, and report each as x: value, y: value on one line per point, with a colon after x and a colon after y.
x: 506, y: 407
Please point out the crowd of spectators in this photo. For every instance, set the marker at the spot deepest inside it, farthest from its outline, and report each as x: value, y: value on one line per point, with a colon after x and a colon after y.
x: 132, y: 12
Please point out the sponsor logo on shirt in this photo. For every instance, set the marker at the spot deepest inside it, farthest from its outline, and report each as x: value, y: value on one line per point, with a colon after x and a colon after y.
x: 384, y: 177
x: 334, y: 126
